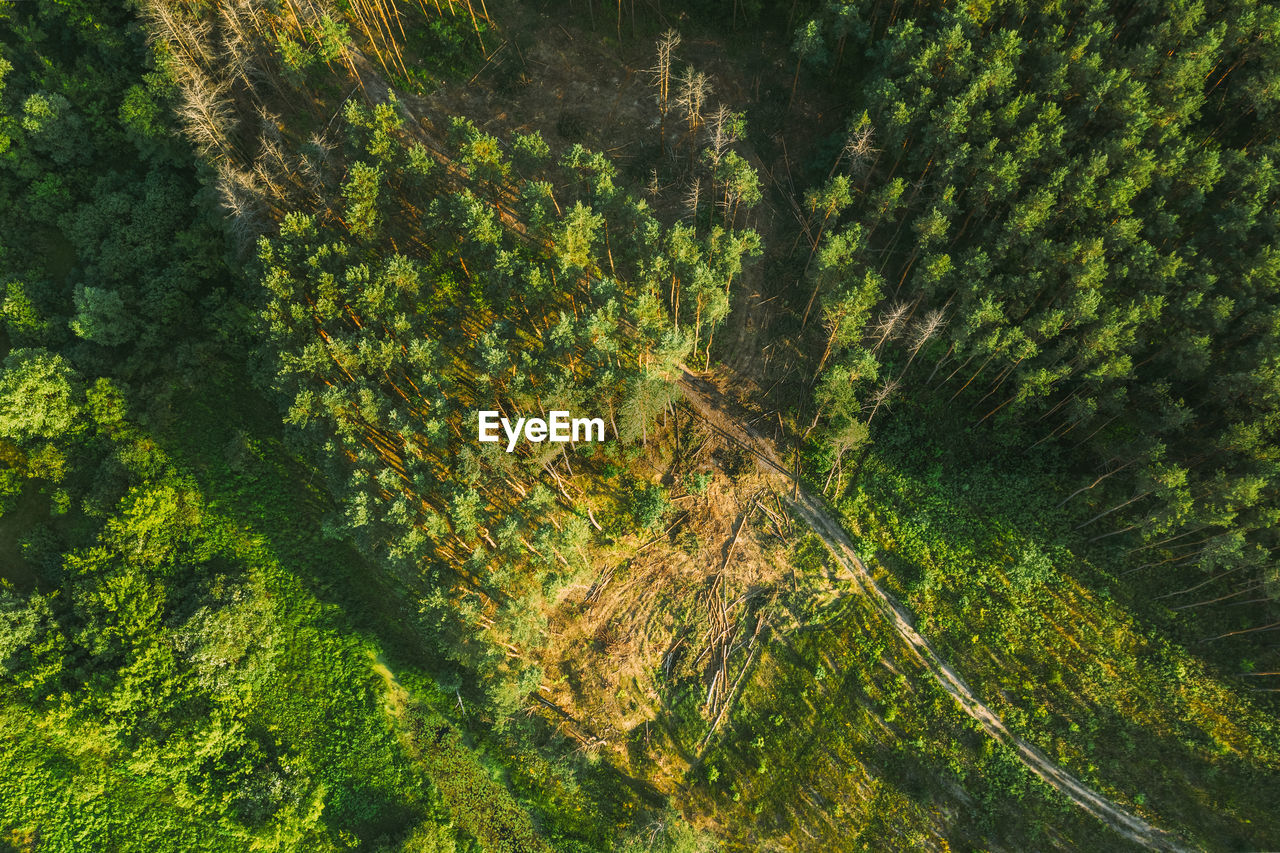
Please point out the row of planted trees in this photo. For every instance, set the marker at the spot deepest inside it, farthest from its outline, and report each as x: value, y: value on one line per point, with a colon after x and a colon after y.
x: 1063, y: 222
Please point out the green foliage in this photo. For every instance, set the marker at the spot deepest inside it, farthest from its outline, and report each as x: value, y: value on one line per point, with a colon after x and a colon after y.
x: 167, y: 641
x: 576, y: 238
x: 1044, y: 226
x: 530, y: 150
x: 668, y: 833
x: 648, y: 506
x: 332, y: 37
x: 170, y: 678
x: 21, y: 317
x: 699, y: 483
x: 842, y: 709
x: 1048, y: 232
x: 361, y: 191
x: 39, y: 397
x: 1063, y: 663
x: 101, y: 316
x: 383, y: 358
x: 97, y: 231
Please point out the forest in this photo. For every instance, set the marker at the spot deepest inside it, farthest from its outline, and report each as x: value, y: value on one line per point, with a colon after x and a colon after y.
x: 937, y: 348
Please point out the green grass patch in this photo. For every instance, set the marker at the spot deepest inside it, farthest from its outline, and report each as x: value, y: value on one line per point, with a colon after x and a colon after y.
x: 1066, y: 664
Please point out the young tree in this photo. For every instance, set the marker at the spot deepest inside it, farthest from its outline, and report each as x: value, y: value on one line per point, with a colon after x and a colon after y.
x: 361, y: 190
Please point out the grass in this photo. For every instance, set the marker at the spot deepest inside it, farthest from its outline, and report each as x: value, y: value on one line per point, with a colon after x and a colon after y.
x: 1062, y: 659
x: 220, y: 705
x: 841, y: 741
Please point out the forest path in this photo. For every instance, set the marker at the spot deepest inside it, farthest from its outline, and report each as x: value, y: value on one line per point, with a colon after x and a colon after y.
x: 711, y: 406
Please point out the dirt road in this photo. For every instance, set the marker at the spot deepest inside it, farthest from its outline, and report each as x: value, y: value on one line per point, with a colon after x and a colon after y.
x: 706, y: 400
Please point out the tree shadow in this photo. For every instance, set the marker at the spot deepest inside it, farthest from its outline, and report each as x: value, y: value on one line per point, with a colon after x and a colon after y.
x: 271, y: 493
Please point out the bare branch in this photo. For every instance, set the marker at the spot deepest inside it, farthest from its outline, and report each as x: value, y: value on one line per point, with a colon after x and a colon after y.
x: 932, y: 323
x: 886, y: 325
x: 693, y: 197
